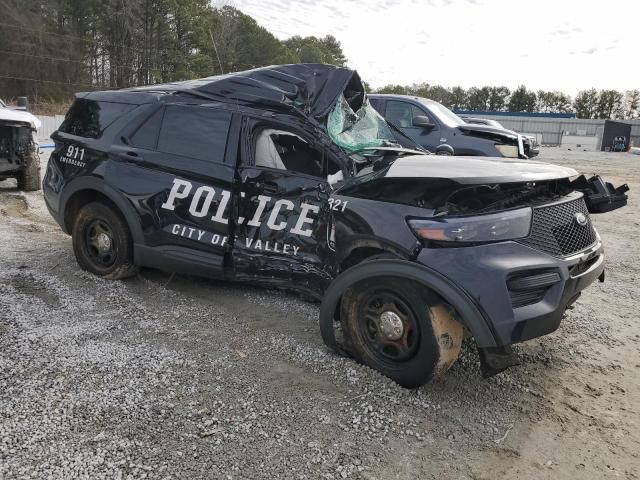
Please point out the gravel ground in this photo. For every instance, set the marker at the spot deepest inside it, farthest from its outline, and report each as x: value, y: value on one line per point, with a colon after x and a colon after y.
x: 160, y: 377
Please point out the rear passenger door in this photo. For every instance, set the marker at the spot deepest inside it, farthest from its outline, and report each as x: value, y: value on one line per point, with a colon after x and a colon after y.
x: 175, y: 168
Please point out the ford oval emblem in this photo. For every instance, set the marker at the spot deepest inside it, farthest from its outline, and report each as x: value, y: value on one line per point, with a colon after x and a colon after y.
x: 580, y: 218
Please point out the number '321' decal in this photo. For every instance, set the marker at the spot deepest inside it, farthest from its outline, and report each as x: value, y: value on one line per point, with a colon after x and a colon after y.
x: 337, y: 205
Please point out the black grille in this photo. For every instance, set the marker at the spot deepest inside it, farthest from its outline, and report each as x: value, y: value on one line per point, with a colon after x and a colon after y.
x: 554, y: 229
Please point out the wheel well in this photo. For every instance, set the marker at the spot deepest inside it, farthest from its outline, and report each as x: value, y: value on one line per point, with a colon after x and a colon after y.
x: 80, y: 199
x: 359, y: 254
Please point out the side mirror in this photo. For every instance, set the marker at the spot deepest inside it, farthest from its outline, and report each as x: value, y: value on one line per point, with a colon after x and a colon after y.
x: 423, y: 122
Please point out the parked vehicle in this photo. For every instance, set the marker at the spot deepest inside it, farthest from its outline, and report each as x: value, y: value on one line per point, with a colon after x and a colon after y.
x: 531, y: 146
x: 286, y: 177
x: 18, y: 148
x: 441, y: 131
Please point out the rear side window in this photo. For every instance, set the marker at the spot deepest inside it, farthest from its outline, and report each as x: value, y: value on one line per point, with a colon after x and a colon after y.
x: 195, y: 132
x: 147, y: 134
x: 89, y: 118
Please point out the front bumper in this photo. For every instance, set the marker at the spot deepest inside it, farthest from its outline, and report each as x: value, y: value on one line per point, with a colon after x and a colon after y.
x: 484, y: 272
x: 9, y: 167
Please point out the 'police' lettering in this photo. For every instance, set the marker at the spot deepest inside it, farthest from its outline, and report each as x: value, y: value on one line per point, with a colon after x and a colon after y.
x: 276, y: 211
x: 255, y: 221
x: 201, y: 212
x: 219, y: 216
x: 177, y: 193
x: 203, y: 198
x: 303, y: 219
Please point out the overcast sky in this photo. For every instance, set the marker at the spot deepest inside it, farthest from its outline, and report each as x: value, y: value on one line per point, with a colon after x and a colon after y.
x: 566, y: 45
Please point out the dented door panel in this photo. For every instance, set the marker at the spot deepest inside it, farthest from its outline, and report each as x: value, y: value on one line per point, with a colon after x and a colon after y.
x: 277, y: 236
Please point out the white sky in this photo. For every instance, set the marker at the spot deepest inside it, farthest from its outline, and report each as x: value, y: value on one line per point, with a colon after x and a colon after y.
x: 566, y: 45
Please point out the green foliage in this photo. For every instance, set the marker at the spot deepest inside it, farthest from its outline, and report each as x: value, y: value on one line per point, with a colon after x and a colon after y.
x: 478, y: 98
x: 497, y: 98
x: 395, y: 89
x: 98, y: 44
x: 316, y: 50
x: 458, y: 98
x: 632, y: 104
x: 609, y: 104
x: 522, y: 100
x: 586, y: 103
x: 553, y: 102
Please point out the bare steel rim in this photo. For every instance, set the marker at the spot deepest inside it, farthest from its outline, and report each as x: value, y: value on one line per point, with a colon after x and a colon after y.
x: 99, y: 243
x: 388, y: 326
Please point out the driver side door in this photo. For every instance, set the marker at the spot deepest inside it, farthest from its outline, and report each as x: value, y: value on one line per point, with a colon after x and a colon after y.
x: 279, y: 237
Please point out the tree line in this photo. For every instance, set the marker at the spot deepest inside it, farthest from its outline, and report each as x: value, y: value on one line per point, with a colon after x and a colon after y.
x: 603, y: 104
x: 51, y: 49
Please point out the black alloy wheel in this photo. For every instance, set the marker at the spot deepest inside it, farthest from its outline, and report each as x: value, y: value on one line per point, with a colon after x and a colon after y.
x: 102, y: 242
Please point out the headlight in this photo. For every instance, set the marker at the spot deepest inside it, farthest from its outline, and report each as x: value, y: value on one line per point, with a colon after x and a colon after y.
x: 492, y: 227
x: 509, y: 151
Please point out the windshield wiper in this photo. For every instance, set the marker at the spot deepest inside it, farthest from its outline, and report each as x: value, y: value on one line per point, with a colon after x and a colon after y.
x: 390, y: 149
x: 397, y: 129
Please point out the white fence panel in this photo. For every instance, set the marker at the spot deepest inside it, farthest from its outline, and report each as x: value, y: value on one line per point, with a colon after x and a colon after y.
x: 49, y: 125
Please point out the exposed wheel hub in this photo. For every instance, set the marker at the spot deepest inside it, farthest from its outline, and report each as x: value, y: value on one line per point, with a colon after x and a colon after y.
x: 388, y: 325
x: 99, y: 243
x: 103, y: 242
x: 391, y: 325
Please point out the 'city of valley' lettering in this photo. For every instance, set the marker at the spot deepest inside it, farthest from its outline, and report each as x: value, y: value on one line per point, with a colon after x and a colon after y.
x: 204, y: 195
x: 217, y: 240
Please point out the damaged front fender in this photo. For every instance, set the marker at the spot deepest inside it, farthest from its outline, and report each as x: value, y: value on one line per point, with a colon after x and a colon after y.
x: 468, y: 312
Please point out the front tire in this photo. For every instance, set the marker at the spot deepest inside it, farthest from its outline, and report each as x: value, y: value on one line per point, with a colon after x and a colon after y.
x: 102, y: 242
x: 29, y: 177
x: 401, y: 329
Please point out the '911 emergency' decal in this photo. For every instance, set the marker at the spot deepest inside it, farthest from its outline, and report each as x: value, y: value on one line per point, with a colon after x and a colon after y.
x: 73, y: 155
x: 200, y: 207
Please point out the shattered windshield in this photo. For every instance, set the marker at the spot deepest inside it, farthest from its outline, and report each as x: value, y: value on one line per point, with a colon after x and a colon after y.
x: 355, y: 131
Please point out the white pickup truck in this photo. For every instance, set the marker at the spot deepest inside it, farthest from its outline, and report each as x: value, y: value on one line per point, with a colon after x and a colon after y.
x: 18, y: 148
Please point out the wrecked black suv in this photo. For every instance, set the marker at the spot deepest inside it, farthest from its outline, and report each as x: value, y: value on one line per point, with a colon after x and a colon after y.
x: 287, y: 177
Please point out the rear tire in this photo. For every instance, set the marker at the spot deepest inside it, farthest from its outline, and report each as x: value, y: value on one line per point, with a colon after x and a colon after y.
x: 102, y: 242
x: 410, y: 359
x: 29, y: 176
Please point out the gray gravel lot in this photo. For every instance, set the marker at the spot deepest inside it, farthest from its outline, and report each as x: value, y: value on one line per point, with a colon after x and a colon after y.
x: 160, y: 377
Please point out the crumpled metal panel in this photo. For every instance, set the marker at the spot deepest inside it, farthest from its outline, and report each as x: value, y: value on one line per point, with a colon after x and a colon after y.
x: 311, y: 88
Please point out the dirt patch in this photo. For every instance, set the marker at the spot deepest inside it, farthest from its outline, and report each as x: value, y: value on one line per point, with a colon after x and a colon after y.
x: 30, y: 286
x: 14, y: 204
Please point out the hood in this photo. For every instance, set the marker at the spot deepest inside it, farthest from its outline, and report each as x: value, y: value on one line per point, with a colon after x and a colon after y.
x: 311, y: 88
x: 19, y: 116
x: 443, y: 185
x: 476, y: 170
x: 487, y: 131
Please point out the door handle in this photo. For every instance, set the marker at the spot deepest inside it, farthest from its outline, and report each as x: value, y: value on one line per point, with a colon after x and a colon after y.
x: 132, y: 154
